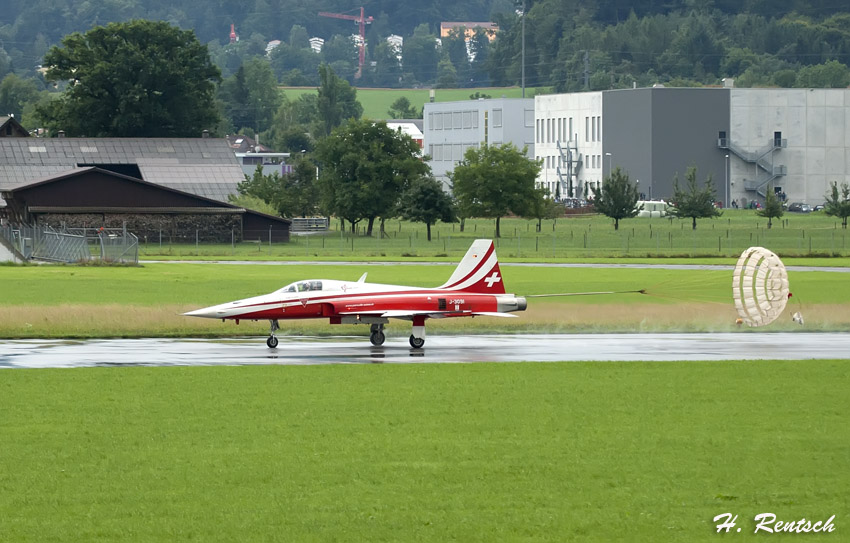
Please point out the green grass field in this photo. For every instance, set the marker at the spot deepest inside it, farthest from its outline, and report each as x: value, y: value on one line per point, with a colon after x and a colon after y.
x: 418, y: 452
x: 81, y: 302
x: 566, y: 239
x: 469, y: 452
x: 376, y: 102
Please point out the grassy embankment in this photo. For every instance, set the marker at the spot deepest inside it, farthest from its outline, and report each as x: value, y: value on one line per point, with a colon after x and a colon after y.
x: 472, y: 452
x: 70, y: 301
x: 583, y: 237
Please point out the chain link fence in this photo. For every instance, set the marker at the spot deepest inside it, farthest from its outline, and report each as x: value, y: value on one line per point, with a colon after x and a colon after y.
x: 49, y: 244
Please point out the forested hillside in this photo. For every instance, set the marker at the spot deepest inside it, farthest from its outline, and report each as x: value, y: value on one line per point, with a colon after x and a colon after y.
x: 570, y: 44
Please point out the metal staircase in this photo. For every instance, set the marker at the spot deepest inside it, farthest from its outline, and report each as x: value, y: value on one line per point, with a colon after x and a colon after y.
x: 572, y: 159
x: 763, y: 159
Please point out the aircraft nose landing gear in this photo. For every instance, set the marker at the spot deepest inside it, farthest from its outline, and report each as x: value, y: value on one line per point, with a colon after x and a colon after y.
x: 272, y: 341
x: 377, y: 336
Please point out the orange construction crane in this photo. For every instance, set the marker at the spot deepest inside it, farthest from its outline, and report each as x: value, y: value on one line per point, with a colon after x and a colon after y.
x: 361, y: 21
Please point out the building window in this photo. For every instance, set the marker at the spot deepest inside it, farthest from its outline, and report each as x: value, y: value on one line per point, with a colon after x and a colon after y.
x: 438, y: 121
x: 431, y: 120
x: 587, y: 129
x: 497, y: 118
x: 529, y: 118
x: 467, y: 119
x: 593, y: 129
x: 570, y: 134
x: 599, y: 127
x: 456, y: 120
x: 537, y: 132
x: 475, y: 118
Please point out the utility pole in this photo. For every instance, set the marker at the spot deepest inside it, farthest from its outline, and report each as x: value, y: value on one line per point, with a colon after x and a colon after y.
x: 523, y: 48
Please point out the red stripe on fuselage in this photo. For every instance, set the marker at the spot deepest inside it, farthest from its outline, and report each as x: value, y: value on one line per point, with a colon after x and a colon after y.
x: 331, y: 306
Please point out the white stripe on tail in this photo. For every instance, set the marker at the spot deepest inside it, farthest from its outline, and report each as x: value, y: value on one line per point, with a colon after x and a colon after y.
x: 478, y: 271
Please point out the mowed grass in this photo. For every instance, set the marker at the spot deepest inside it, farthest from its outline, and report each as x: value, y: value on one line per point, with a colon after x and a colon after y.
x: 82, y: 302
x: 565, y: 239
x: 466, y: 452
x: 376, y: 102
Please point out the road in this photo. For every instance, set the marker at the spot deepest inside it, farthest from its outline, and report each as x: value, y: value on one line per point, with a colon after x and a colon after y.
x: 438, y: 349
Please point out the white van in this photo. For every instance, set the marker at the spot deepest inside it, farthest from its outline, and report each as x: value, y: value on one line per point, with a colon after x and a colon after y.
x: 653, y: 208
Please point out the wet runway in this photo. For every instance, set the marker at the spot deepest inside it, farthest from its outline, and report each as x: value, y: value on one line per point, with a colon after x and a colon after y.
x: 438, y: 349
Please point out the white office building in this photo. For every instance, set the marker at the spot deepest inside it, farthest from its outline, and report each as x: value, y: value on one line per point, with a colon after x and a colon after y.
x: 451, y: 128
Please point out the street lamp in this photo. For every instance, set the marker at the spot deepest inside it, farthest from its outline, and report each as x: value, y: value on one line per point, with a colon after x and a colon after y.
x: 609, y: 155
x: 726, y: 182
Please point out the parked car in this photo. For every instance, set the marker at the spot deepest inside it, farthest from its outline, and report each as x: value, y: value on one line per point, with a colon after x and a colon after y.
x: 798, y: 207
x: 819, y: 207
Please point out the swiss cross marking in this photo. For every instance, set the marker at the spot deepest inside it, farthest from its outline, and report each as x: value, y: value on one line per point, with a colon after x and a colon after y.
x: 492, y: 279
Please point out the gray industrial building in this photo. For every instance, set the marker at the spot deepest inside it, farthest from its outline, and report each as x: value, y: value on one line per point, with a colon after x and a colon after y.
x: 450, y: 128
x: 790, y: 141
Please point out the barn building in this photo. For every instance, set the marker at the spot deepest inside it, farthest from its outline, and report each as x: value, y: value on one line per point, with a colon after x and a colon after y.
x: 178, y: 185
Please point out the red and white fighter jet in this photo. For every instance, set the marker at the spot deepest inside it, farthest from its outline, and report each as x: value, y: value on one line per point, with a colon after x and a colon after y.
x: 475, y: 288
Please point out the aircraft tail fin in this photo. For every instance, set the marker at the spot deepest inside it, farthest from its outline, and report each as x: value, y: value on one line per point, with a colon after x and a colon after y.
x: 478, y: 271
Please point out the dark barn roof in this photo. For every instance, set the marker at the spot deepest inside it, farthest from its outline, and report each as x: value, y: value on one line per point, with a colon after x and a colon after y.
x: 203, y: 166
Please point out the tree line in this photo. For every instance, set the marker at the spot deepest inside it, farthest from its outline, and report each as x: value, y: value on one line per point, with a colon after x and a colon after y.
x: 147, y: 79
x: 570, y: 45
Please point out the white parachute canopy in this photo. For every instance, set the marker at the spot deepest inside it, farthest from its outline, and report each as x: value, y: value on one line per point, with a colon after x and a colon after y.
x: 759, y: 286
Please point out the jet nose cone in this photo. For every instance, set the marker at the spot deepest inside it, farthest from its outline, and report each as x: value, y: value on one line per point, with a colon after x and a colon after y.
x: 208, y: 312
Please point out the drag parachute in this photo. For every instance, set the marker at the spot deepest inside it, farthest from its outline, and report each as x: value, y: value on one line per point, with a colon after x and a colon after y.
x: 759, y: 286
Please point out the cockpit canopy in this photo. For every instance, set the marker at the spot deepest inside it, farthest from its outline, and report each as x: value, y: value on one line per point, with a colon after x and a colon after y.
x: 302, y: 286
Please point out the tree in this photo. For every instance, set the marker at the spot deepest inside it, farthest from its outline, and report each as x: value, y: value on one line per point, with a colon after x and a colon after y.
x: 494, y: 180
x: 293, y: 194
x: 446, y: 74
x: 15, y: 93
x: 302, y: 193
x: 337, y: 100
x: 617, y: 198
x: 838, y: 206
x: 543, y: 207
x: 262, y: 97
x: 772, y: 207
x: 134, y: 79
x: 420, y: 57
x: 254, y: 203
x: 694, y: 202
x: 364, y: 168
x: 832, y: 74
x: 426, y: 201
x: 402, y: 109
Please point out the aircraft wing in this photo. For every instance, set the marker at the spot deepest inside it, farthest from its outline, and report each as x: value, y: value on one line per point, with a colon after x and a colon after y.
x: 407, y: 314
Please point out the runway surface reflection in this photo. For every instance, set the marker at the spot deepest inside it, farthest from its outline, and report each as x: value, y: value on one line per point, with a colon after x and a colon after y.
x: 438, y: 349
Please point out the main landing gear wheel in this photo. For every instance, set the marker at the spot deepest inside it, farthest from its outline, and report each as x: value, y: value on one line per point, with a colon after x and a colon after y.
x: 416, y: 342
x: 377, y: 337
x: 273, y: 327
